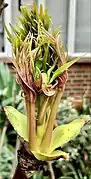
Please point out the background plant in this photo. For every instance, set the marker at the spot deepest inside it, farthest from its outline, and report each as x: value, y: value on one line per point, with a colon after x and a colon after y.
x: 9, y: 95
x: 79, y: 148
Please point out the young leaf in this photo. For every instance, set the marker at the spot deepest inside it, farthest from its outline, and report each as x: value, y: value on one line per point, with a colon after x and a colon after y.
x: 51, y: 68
x: 64, y: 133
x: 54, y: 155
x: 61, y: 69
x: 46, y: 48
x: 18, y: 121
x: 9, y: 35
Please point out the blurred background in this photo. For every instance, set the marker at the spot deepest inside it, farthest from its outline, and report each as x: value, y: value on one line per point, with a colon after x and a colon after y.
x: 74, y: 19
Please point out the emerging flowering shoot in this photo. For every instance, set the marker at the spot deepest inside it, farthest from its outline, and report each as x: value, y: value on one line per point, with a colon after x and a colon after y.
x: 41, y: 71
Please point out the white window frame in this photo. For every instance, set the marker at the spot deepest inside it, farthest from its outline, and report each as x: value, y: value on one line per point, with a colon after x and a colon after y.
x: 7, y: 20
x: 72, y: 26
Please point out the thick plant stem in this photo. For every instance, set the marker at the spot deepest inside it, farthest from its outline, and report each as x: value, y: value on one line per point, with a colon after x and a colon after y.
x: 43, y: 111
x: 27, y: 163
x: 30, y: 106
x: 18, y: 174
x: 48, y: 134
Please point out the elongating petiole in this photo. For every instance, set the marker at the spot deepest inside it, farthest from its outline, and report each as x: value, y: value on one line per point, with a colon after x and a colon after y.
x: 43, y: 111
x: 48, y: 132
x: 30, y: 107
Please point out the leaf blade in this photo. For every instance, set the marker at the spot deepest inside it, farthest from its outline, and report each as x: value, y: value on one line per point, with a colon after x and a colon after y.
x: 18, y: 121
x: 61, y: 69
x: 52, y: 156
x: 64, y: 133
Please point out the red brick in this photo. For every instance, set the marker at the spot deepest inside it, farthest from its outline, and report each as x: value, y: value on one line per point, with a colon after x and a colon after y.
x: 79, y: 80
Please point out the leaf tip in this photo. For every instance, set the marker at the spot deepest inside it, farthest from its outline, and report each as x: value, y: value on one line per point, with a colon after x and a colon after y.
x: 66, y: 157
x: 86, y: 120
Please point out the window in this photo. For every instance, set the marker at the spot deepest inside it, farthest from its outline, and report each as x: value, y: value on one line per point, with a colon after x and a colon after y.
x: 75, y: 18
x: 59, y: 13
x: 5, y: 47
x: 72, y: 15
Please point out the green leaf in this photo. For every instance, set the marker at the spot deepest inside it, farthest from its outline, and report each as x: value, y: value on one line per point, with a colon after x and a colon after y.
x: 44, y: 80
x: 26, y: 13
x: 16, y: 32
x: 9, y: 35
x: 61, y: 69
x: 18, y: 121
x: 52, y: 156
x: 46, y: 48
x: 41, y: 11
x: 51, y: 68
x: 37, y: 73
x: 64, y: 133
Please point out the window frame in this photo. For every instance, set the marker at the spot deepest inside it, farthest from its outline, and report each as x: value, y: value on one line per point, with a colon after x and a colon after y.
x: 72, y: 26
x: 7, y: 20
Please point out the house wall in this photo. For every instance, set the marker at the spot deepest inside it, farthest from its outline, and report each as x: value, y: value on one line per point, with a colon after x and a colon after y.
x: 79, y: 81
x: 79, y: 78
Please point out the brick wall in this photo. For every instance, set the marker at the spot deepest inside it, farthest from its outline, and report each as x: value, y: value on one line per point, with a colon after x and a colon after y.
x: 79, y: 81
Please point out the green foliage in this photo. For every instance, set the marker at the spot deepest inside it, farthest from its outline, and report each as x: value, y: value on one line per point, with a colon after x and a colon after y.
x: 6, y: 158
x: 66, y: 112
x: 9, y: 95
x: 79, y: 166
x: 61, y: 69
x: 60, y: 135
x: 9, y: 89
x: 29, y: 23
x: 18, y: 121
x: 39, y: 175
x: 64, y: 133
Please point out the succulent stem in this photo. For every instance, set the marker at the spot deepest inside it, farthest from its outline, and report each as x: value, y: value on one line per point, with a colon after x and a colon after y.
x: 43, y: 111
x: 48, y: 132
x: 30, y: 107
